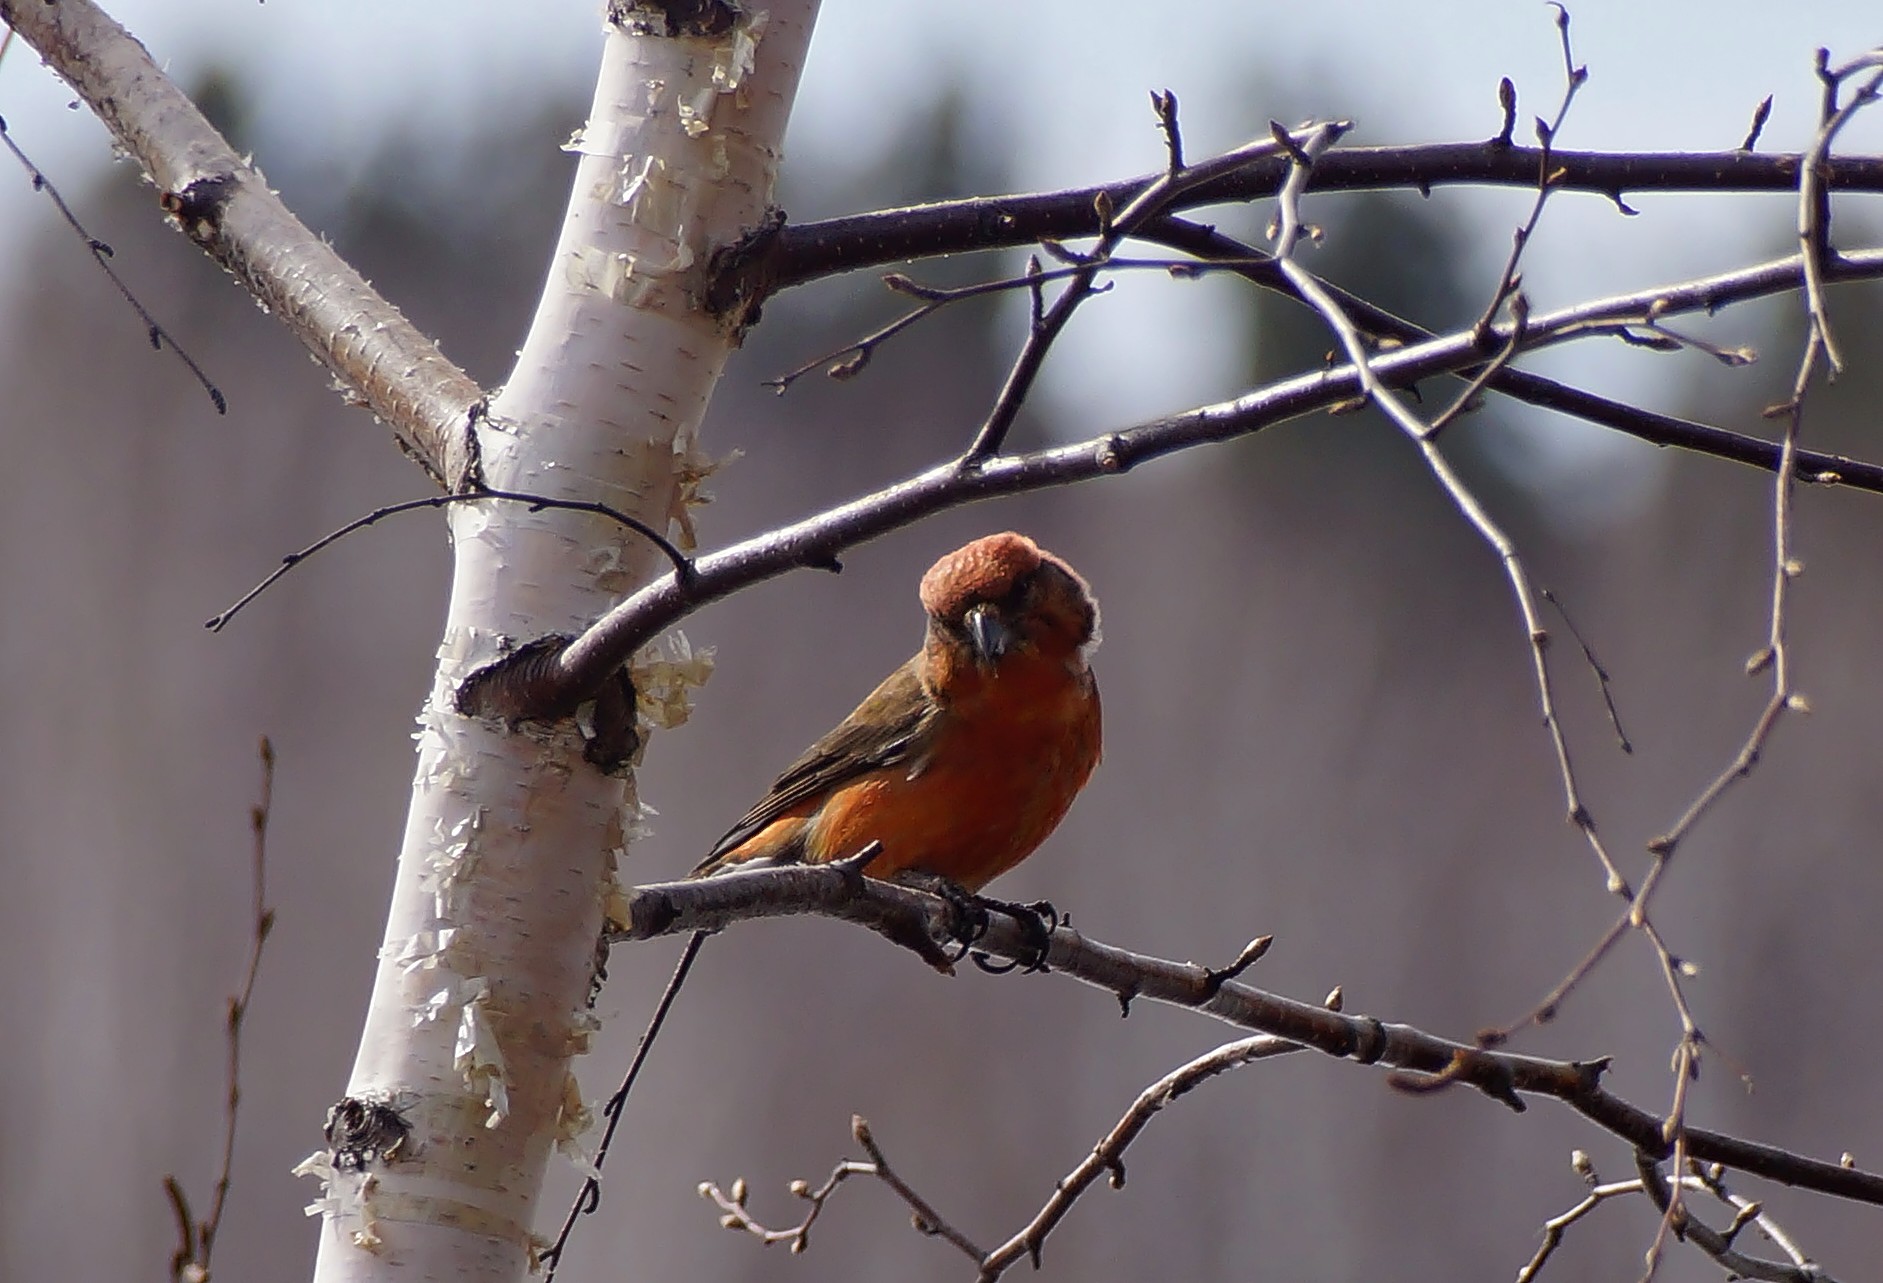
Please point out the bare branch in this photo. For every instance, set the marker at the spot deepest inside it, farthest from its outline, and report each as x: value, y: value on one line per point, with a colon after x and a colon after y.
x: 1574, y: 77
x: 714, y: 903
x: 1813, y: 229
x: 1595, y: 666
x: 1710, y: 1240
x: 925, y: 1218
x: 735, y: 1216
x: 224, y: 205
x: 1219, y: 252
x: 1154, y: 200
x: 1423, y: 436
x: 854, y: 357
x: 589, y: 1199
x: 589, y: 661
x: 101, y: 254
x: 682, y: 564
x: 1555, y: 1228
x: 811, y: 251
x: 1717, y: 1245
x: 1814, y: 201
x: 196, y: 1240
x: 1646, y: 425
x: 1107, y: 1157
x: 1746, y: 1211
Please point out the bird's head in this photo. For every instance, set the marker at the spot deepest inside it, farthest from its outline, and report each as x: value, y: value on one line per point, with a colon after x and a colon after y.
x: 1003, y: 595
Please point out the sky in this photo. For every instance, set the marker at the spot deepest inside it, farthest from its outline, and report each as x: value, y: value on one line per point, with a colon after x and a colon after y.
x: 1060, y: 88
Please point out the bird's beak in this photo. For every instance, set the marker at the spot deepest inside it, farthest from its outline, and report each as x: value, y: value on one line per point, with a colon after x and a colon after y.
x: 988, y: 634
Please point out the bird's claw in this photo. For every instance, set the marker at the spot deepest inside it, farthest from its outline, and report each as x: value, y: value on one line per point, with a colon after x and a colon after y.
x: 966, y: 919
x: 1038, y: 921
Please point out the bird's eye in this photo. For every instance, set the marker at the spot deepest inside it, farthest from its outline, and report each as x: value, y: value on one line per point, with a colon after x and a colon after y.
x: 1018, y: 597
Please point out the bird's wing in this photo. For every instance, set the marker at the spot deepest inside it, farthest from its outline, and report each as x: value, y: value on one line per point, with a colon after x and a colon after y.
x: 892, y: 725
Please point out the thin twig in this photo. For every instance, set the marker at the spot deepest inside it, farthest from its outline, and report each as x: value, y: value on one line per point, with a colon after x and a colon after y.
x: 1421, y: 434
x: 1114, y: 228
x: 1709, y: 1240
x: 926, y: 1219
x: 1717, y: 1245
x: 589, y: 1199
x: 1546, y: 173
x: 1602, y: 679
x: 1473, y: 392
x: 1673, y: 1207
x: 1775, y: 656
x: 1745, y: 1211
x: 1814, y: 227
x: 734, y: 1214
x: 101, y: 254
x: 1107, y: 1157
x: 854, y: 357
x: 1814, y: 201
x: 196, y: 1240
x: 1547, y: 1007
x: 1557, y: 1226
x: 1663, y: 337
x: 682, y: 564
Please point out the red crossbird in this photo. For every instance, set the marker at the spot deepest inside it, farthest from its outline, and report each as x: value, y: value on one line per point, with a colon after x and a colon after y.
x: 960, y: 763
x: 966, y: 757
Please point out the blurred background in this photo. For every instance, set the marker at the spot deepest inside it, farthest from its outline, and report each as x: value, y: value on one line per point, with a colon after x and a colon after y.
x: 1320, y: 716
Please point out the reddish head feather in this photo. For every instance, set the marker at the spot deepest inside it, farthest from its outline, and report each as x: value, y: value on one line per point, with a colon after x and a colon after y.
x: 985, y: 570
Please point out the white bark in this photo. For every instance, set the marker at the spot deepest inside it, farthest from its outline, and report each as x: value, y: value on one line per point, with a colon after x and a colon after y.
x: 509, y: 848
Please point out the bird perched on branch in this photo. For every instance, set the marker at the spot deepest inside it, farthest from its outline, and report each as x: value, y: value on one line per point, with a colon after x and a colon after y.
x: 966, y: 757
x: 959, y: 764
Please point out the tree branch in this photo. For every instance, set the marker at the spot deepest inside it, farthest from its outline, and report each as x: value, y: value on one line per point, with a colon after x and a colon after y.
x: 1656, y: 429
x: 1143, y: 208
x: 926, y: 1220
x: 711, y: 904
x: 101, y: 254
x: 224, y: 205
x: 810, y: 251
x: 1717, y: 1245
x: 515, y: 689
x: 1107, y: 1157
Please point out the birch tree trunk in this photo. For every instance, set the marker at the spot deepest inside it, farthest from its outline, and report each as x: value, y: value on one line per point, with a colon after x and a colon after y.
x: 509, y: 850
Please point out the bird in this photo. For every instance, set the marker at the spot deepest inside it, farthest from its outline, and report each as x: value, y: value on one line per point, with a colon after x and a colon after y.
x: 962, y: 761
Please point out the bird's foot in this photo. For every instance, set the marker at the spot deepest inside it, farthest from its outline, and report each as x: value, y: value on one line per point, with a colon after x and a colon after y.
x: 966, y: 919
x: 1038, y: 921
